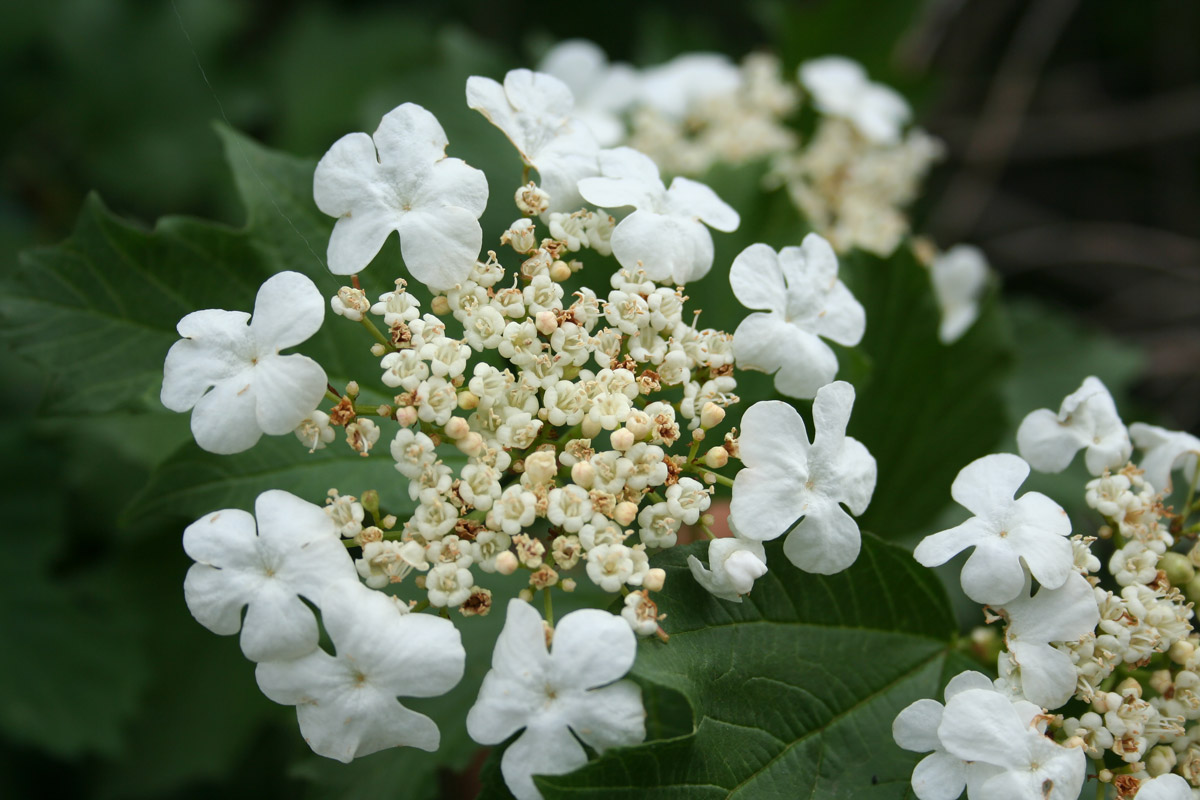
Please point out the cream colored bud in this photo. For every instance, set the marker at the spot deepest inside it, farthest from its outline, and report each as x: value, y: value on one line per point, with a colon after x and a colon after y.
x: 560, y: 271
x: 1130, y: 687
x: 506, y: 563
x: 1181, y: 651
x: 716, y: 457
x: 1178, y: 567
x: 457, y: 428
x: 568, y: 585
x: 698, y: 435
x: 654, y: 579
x: 352, y: 389
x: 378, y: 350
x: 546, y: 322
x: 711, y: 415
x: 583, y: 474
x: 440, y: 305
x: 1160, y: 760
x: 1105, y: 776
x: 384, y: 410
x: 468, y: 400
x: 625, y: 512
x: 388, y: 522
x: 406, y: 416
x: 541, y: 466
x: 471, y: 444
x: 639, y: 424
x: 591, y: 427
x: 621, y: 439
x: 526, y: 595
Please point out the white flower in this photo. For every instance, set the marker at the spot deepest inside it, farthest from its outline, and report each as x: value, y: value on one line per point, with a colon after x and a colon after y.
x: 296, y: 551
x: 803, y: 299
x: 550, y: 694
x: 785, y: 477
x: 610, y: 565
x: 734, y: 565
x: 1064, y: 614
x: 1013, y: 760
x: 449, y: 584
x: 534, y: 111
x: 1166, y: 451
x: 675, y: 87
x: 602, y: 90
x: 666, y: 236
x: 1004, y: 531
x: 408, y: 186
x: 840, y: 88
x: 959, y: 277
x: 1165, y: 787
x: 228, y: 366
x: 346, y: 704
x: 1088, y: 419
x: 315, y: 431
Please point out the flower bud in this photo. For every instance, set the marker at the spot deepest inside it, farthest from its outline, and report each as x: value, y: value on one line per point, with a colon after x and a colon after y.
x: 406, y: 416
x: 1178, y: 567
x: 457, y: 427
x: 388, y: 522
x: 1160, y: 760
x: 378, y: 350
x: 639, y: 424
x: 471, y: 444
x: 1181, y: 651
x: 468, y: 400
x: 654, y: 579
x: 506, y: 563
x: 716, y: 457
x: 440, y: 305
x: 546, y: 322
x: 541, y: 467
x: 711, y: 415
x: 1130, y: 687
x: 568, y: 585
x: 590, y: 427
x: 560, y: 271
x: 583, y: 474
x: 625, y: 512
x: 526, y: 595
x: 621, y: 439
x: 352, y: 389
x: 698, y: 435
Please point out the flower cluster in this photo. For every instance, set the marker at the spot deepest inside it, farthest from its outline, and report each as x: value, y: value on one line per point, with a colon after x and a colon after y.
x: 1121, y: 647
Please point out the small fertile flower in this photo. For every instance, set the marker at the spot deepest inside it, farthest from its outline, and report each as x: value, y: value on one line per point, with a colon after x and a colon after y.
x: 401, y: 180
x: 1005, y: 532
x: 295, y: 552
x: 573, y: 688
x: 534, y: 110
x: 959, y: 277
x: 802, y: 303
x: 1166, y: 451
x: 1065, y: 614
x: 1087, y: 419
x: 734, y: 564
x: 229, y: 370
x: 840, y: 88
x: 602, y: 90
x: 1012, y: 759
x: 666, y: 234
x: 346, y: 703
x: 786, y: 478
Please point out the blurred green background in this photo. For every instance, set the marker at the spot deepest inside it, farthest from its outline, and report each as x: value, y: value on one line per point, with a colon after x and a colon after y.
x: 1073, y: 131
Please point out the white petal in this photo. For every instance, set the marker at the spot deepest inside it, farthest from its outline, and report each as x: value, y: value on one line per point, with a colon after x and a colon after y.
x: 440, y: 246
x: 757, y: 280
x: 831, y: 414
x: 286, y: 390
x: 342, y: 174
x: 844, y: 320
x: 591, y: 648
x: 216, y: 597
x: 1047, y: 444
x: 504, y: 706
x: 1165, y: 787
x: 288, y: 310
x: 939, y: 776
x: 695, y: 199
x: 1047, y: 675
x: 278, y: 626
x: 1055, y: 615
x: 521, y: 647
x: 612, y: 716
x: 761, y: 339
x: 225, y: 420
x: 986, y: 486
x: 709, y: 582
x: 357, y: 239
x: 915, y: 728
x: 774, y: 437
x: 938, y: 548
x: 222, y: 537
x: 826, y: 541
x: 1165, y: 450
x: 217, y: 345
x: 982, y: 725
x: 409, y: 135
x: 967, y: 680
x: 993, y: 574
x: 808, y: 364
x: 542, y: 750
x: 666, y: 247
x: 453, y: 182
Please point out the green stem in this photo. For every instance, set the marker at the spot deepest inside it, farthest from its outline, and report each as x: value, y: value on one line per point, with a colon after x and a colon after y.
x: 703, y: 470
x: 377, y: 334
x: 549, y: 607
x: 421, y: 606
x: 695, y: 450
x: 331, y: 397
x: 708, y: 534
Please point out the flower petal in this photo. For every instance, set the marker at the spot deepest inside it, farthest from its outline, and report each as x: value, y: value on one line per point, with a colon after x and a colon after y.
x: 757, y: 280
x: 288, y: 310
x: 440, y: 246
x: 939, y: 776
x: 349, y: 165
x: 993, y: 574
x: 409, y: 135
x: 591, y: 648
x: 612, y: 716
x: 217, y: 345
x: 915, y: 728
x: 287, y: 389
x: 225, y: 420
x: 357, y: 239
x: 1046, y: 443
x: 547, y: 749
x: 986, y: 486
x: 826, y: 541
x: 695, y: 199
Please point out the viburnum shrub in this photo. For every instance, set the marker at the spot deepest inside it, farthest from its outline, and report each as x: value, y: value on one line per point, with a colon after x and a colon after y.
x: 560, y: 419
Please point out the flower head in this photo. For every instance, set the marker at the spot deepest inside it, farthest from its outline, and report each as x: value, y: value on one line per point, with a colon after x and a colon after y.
x: 346, y: 703
x: 551, y: 694
x: 229, y: 370
x: 802, y: 301
x: 666, y: 234
x: 1087, y: 419
x: 840, y: 88
x: 294, y: 553
x: 786, y: 477
x: 1005, y: 532
x: 401, y: 180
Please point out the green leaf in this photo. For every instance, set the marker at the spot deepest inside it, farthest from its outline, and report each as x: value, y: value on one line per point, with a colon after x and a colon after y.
x: 925, y: 410
x: 793, y: 691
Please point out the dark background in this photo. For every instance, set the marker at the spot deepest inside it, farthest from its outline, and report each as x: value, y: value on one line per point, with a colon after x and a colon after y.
x: 1073, y: 130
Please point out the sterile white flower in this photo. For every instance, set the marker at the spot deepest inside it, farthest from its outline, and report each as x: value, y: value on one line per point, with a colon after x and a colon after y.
x: 785, y: 477
x: 601, y: 90
x: 346, y: 703
x: 678, y: 85
x: 295, y: 552
x: 1087, y: 419
x: 534, y: 110
x: 229, y: 370
x: 803, y: 300
x: 666, y: 234
x: 401, y: 180
x: 1166, y: 451
x: 1165, y: 787
x: 1064, y: 614
x: 840, y: 88
x: 1004, y: 532
x: 734, y: 564
x: 574, y: 687
x: 959, y: 277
